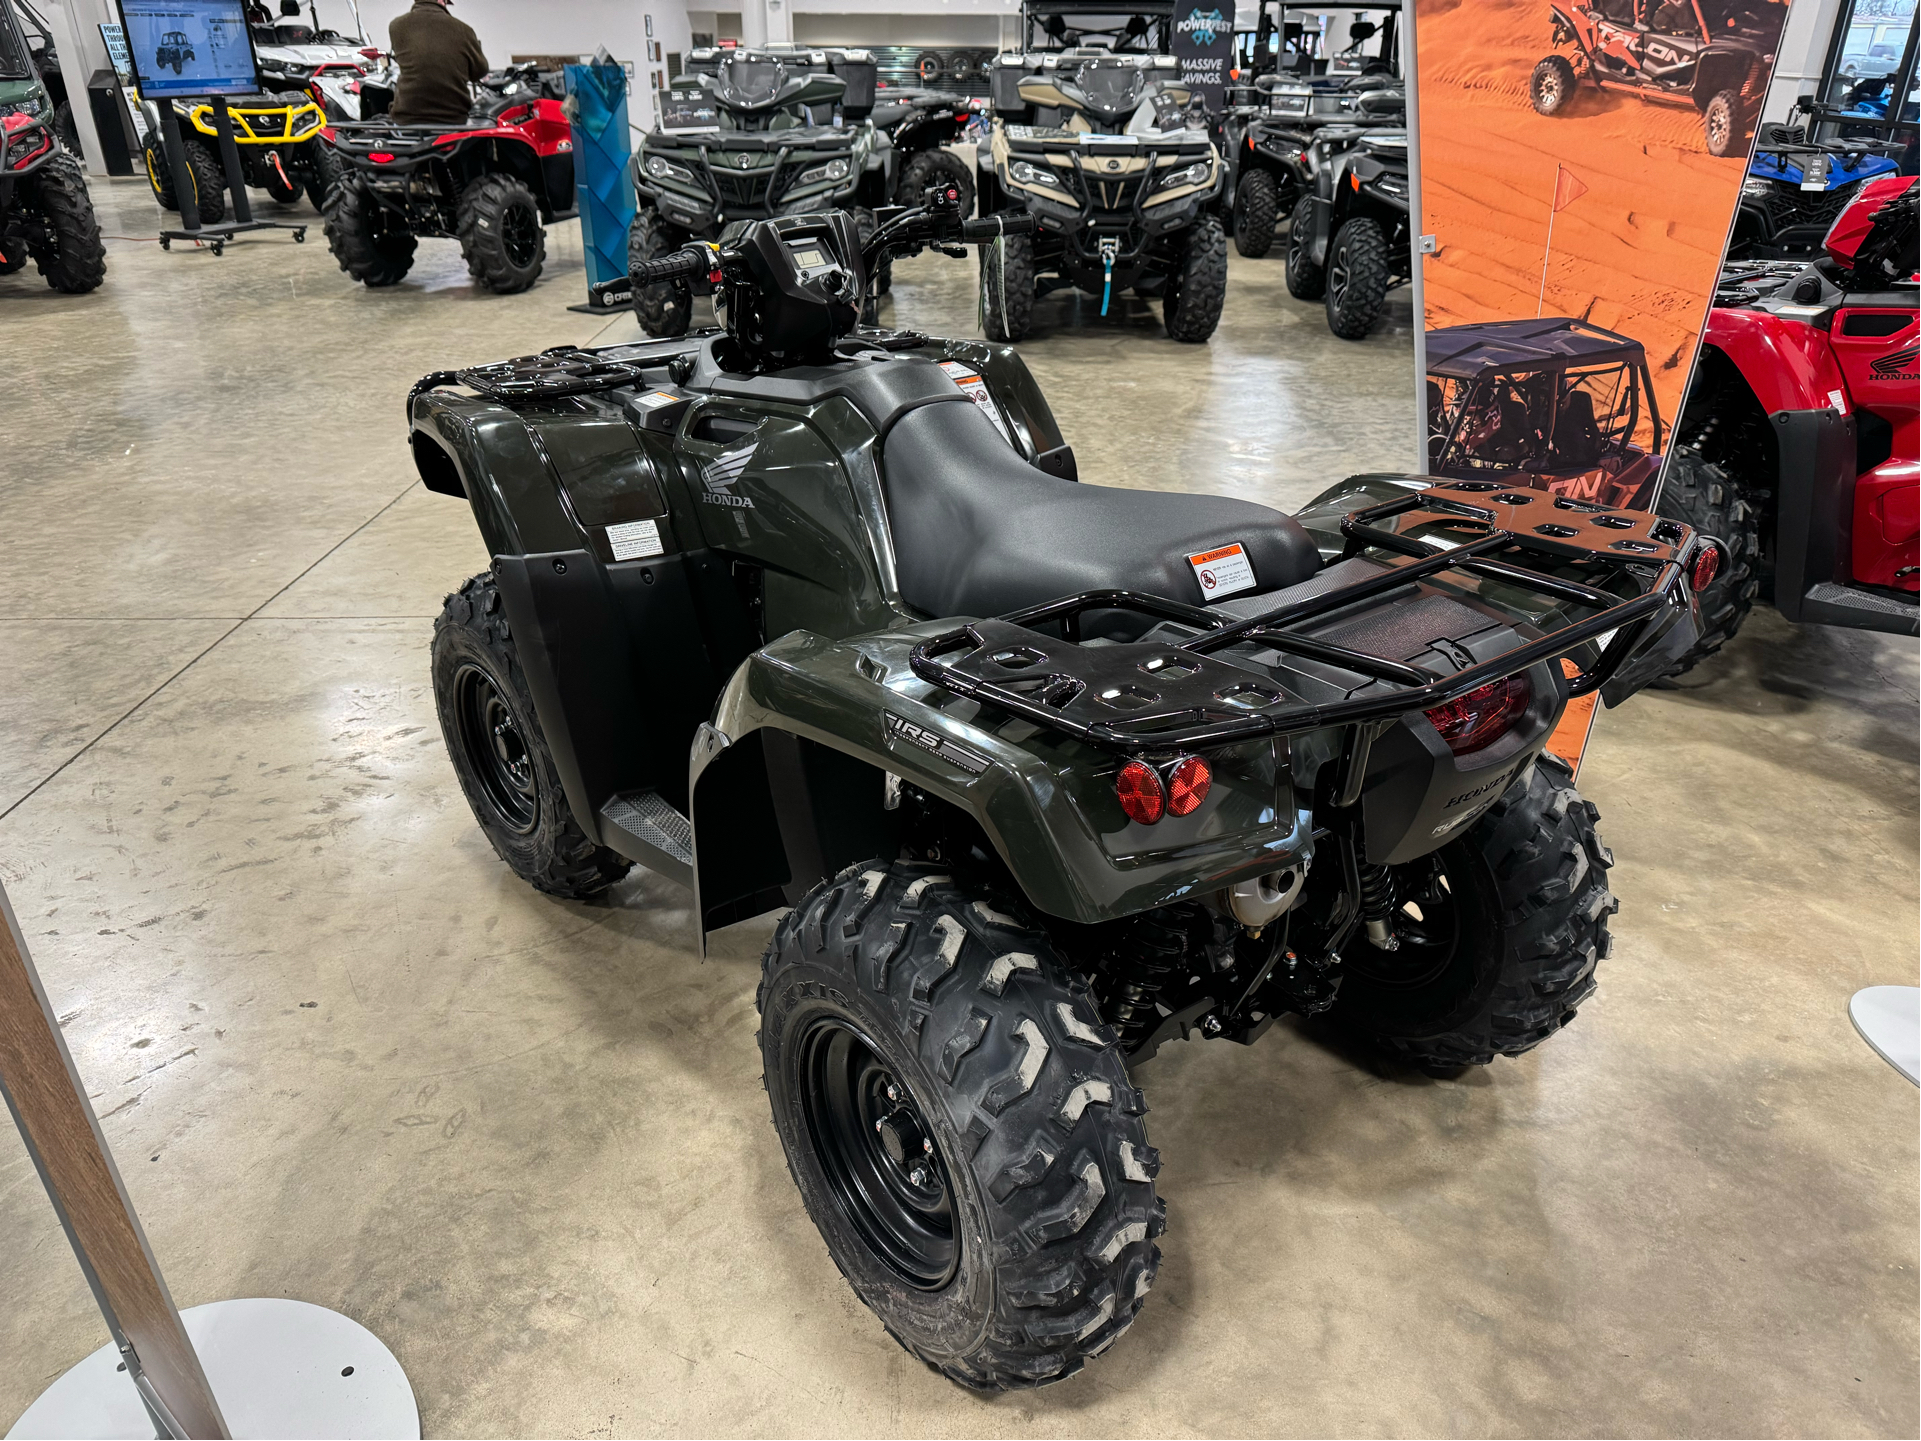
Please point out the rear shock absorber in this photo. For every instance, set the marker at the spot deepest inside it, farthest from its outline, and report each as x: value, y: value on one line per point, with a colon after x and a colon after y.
x: 1377, y: 907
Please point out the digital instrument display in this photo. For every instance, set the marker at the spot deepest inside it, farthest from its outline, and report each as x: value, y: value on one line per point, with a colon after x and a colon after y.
x: 807, y: 259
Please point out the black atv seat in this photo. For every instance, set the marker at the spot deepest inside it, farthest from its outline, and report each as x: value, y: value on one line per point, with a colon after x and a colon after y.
x: 978, y: 531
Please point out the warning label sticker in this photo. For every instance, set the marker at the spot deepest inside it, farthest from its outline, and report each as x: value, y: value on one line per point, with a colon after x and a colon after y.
x: 1222, y: 572
x: 636, y: 540
x: 975, y: 389
x: 657, y: 399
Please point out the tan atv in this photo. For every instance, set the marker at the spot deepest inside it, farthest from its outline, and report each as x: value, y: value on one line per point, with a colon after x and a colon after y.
x: 1123, y: 183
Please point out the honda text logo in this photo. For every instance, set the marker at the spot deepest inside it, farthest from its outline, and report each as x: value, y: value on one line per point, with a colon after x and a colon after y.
x: 1203, y: 27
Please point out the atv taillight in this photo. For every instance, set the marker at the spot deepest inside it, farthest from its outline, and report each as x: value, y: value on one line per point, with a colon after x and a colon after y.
x: 1188, y: 785
x: 1707, y: 565
x: 1482, y: 716
x: 1142, y: 795
x: 379, y: 157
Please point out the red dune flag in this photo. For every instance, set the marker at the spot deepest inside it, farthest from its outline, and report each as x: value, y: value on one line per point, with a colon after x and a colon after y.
x: 1567, y: 189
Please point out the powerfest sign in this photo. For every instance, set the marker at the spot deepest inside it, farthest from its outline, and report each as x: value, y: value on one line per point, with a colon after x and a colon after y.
x: 1204, y: 44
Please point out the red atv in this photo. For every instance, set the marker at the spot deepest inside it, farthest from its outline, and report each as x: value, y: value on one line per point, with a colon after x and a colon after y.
x: 1797, y: 447
x: 492, y: 183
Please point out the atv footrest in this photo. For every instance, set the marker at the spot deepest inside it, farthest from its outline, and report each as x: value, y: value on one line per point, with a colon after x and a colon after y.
x: 645, y: 828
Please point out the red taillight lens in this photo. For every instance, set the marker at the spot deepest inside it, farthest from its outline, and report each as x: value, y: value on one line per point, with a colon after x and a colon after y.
x: 379, y: 157
x: 1707, y: 565
x: 1482, y: 716
x: 1142, y: 795
x: 1188, y: 786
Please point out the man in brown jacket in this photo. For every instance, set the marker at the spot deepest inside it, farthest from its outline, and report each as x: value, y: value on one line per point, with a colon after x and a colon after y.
x: 438, y: 57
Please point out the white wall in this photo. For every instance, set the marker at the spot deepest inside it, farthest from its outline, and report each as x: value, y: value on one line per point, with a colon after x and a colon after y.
x: 946, y: 28
x: 1803, y: 51
x: 558, y: 27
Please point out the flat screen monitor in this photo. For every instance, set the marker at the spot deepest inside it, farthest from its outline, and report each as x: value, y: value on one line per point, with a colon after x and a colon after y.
x: 190, y: 47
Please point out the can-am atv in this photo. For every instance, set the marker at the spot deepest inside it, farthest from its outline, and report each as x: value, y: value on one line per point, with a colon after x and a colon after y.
x: 1551, y: 404
x: 46, y: 214
x: 784, y: 133
x: 1797, y: 445
x: 492, y: 183
x: 279, y: 138
x: 1115, y: 163
x: 1715, y: 55
x: 1347, y: 240
x: 1051, y: 774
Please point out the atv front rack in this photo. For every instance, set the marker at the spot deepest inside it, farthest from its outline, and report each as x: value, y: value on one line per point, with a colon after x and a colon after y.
x: 1155, y: 698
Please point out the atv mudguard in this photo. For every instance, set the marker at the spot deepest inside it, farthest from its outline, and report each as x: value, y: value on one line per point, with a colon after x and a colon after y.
x: 789, y: 786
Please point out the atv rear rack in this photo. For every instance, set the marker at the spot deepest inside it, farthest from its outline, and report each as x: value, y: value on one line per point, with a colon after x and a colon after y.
x: 1183, y: 698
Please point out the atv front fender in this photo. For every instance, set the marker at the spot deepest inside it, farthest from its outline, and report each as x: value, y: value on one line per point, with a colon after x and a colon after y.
x: 788, y: 786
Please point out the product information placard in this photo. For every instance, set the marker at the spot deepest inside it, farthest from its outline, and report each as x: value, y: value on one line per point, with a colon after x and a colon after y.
x: 1581, y: 161
x: 190, y: 47
x: 1204, y: 44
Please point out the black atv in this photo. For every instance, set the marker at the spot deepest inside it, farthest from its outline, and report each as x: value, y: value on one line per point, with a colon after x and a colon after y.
x: 1715, y: 55
x: 1269, y: 143
x: 1348, y: 242
x: 1115, y: 163
x: 46, y: 214
x: 768, y: 133
x: 810, y: 616
x: 921, y: 124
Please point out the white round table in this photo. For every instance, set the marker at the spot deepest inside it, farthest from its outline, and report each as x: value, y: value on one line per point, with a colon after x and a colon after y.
x: 1889, y: 1020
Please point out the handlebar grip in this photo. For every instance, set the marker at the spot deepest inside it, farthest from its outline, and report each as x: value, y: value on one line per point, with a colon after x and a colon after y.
x: 992, y: 227
x: 680, y: 264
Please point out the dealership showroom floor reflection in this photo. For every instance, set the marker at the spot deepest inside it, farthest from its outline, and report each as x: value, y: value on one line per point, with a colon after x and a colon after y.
x: 343, y: 1055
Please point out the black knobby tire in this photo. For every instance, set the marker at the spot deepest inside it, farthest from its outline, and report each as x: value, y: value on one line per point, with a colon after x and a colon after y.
x: 64, y: 128
x: 1197, y: 290
x: 1551, y: 86
x: 1007, y: 287
x: 71, y: 257
x: 1305, y: 280
x: 1724, y: 123
x: 320, y: 171
x: 1257, y: 209
x: 1518, y: 931
x: 159, y: 173
x: 1002, y: 1222
x: 1357, y: 278
x: 209, y: 182
x: 501, y: 757
x: 364, y: 238
x: 1702, y: 495
x: 935, y: 167
x: 664, y: 311
x: 498, y: 224
x: 882, y: 280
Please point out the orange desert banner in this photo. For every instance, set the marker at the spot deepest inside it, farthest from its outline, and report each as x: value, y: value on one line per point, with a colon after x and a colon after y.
x: 1581, y: 161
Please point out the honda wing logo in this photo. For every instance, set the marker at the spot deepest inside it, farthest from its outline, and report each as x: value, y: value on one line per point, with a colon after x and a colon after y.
x: 1203, y: 27
x: 722, y: 473
x: 1897, y: 365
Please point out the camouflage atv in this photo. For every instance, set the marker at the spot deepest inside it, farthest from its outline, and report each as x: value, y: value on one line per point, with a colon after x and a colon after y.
x: 748, y: 135
x: 1044, y: 775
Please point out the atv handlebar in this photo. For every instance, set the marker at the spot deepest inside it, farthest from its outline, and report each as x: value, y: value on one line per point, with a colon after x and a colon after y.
x: 681, y: 265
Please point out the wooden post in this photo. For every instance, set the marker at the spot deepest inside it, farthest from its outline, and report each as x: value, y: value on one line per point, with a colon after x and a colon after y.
x: 49, y: 1104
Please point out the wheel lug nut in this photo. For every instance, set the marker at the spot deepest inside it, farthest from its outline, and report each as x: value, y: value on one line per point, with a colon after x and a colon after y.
x: 927, y: 1146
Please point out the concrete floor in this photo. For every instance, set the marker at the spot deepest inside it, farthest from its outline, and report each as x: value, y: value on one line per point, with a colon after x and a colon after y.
x: 343, y: 1056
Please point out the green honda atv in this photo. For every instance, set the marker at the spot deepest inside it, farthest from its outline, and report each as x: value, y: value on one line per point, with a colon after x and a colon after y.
x: 747, y: 135
x: 1041, y: 775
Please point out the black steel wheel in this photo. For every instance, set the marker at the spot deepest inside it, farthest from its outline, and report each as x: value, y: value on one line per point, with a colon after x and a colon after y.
x: 1499, y: 934
x: 499, y: 754
x: 1305, y: 280
x: 494, y: 750
x: 878, y: 1154
x: 959, y: 1123
x: 500, y: 235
